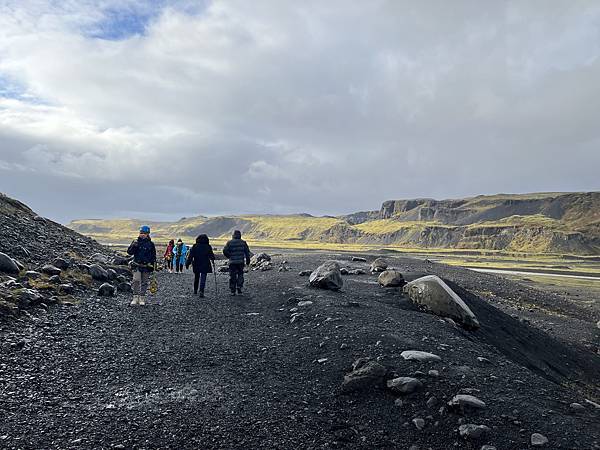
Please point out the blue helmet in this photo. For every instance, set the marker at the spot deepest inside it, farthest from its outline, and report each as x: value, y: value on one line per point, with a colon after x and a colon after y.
x: 145, y: 229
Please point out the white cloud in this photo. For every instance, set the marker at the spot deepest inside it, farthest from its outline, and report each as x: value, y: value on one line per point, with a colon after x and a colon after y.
x: 314, y: 106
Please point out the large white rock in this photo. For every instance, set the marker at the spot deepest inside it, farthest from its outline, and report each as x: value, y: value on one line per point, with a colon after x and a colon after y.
x: 433, y: 295
x: 416, y: 355
x: 327, y: 276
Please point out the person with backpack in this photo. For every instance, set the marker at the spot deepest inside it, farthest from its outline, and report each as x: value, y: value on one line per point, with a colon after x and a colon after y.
x: 144, y: 262
x: 237, y: 251
x: 168, y: 256
x: 201, y: 258
x: 179, y: 254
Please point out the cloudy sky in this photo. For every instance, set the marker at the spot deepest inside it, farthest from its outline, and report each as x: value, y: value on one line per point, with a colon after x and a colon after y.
x: 162, y: 109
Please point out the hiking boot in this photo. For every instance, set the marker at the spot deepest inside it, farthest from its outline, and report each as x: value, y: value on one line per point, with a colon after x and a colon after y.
x: 201, y: 295
x: 239, y: 291
x: 135, y: 301
x: 142, y: 300
x: 232, y: 293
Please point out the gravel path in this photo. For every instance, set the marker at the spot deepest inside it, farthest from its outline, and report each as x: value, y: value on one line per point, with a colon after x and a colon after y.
x: 227, y: 372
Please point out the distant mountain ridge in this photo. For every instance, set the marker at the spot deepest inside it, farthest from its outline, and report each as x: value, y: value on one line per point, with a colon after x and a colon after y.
x: 540, y: 223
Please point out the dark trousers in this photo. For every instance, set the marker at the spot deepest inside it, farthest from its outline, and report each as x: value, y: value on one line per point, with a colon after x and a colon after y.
x: 199, y: 277
x: 169, y: 263
x: 236, y: 276
x: 178, y: 266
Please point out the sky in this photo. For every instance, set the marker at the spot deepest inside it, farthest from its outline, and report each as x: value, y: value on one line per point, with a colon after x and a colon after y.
x: 169, y: 108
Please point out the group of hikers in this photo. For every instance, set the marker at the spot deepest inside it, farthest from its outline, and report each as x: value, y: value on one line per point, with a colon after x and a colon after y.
x: 177, y: 255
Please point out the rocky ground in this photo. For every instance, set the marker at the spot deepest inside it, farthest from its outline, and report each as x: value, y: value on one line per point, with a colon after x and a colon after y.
x: 266, y: 370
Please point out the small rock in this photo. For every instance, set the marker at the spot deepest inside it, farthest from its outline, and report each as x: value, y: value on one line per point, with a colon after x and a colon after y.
x: 576, y: 407
x: 106, y: 290
x: 61, y: 263
x: 419, y: 423
x: 488, y: 447
x: 66, y: 288
x: 32, y: 275
x: 365, y: 374
x: 327, y: 276
x: 463, y: 401
x: 358, y: 259
x: 432, y: 402
x: 404, y: 385
x: 49, y: 269
x: 112, y: 274
x: 433, y: 373
x: 304, y: 273
x: 416, y: 355
x: 472, y: 431
x: 538, y: 440
x: 124, y: 286
x: 344, y: 271
x: 54, y: 279
x: 305, y: 303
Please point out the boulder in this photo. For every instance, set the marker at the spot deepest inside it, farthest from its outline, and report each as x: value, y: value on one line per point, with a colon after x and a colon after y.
x: 123, y: 286
x: 49, y: 269
x: 8, y: 265
x: 98, y: 273
x: 100, y: 258
x: 259, y: 258
x: 55, y: 279
x: 112, y: 274
x: 404, y: 385
x: 27, y: 297
x: 364, y: 376
x: 61, y: 263
x: 472, y: 431
x: 435, y: 296
x: 416, y: 355
x: 119, y: 260
x: 327, y: 276
x: 106, y: 290
x: 379, y: 265
x: 391, y: 278
x: 344, y: 271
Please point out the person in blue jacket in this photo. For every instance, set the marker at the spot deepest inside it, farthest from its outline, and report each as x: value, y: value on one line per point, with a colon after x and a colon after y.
x: 179, y: 255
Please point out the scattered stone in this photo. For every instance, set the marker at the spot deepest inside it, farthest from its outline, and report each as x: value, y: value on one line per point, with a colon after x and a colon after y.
x: 576, y: 407
x: 398, y: 402
x: 32, y: 275
x: 344, y: 271
x: 100, y: 258
x: 304, y: 273
x: 416, y: 355
x: 488, y: 447
x: 391, y: 278
x: 472, y: 431
x: 363, y: 376
x: 305, y: 303
x: 106, y: 290
x: 419, y: 423
x: 66, y: 288
x: 464, y: 401
x: 258, y: 259
x: 61, y: 263
x: 404, y: 385
x: 327, y: 276
x: 433, y: 373
x: 379, y: 265
x: 431, y: 402
x: 358, y: 259
x: 357, y: 272
x: 49, y: 269
x: 481, y: 359
x: 54, y: 279
x: 538, y: 440
x: 433, y: 295
x: 98, y: 273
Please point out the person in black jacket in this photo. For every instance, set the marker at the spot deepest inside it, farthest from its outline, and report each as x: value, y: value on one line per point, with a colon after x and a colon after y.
x: 144, y: 261
x: 201, y: 258
x: 237, y: 251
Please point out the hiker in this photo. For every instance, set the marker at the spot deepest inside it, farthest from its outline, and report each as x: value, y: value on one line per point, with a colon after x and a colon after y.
x: 201, y: 258
x: 168, y: 256
x: 179, y: 253
x: 237, y: 251
x: 144, y: 262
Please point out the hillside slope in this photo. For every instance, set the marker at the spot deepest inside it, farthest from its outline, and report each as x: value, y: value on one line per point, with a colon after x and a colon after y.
x: 539, y: 223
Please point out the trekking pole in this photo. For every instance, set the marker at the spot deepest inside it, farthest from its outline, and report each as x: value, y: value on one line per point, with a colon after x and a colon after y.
x: 216, y: 287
